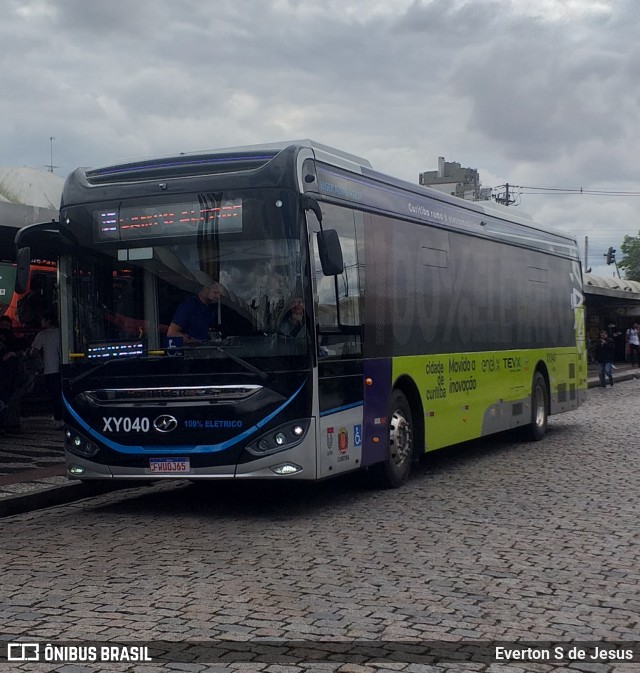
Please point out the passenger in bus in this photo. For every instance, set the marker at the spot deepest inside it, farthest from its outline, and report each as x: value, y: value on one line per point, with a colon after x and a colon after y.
x: 47, y: 343
x: 292, y: 322
x: 206, y: 311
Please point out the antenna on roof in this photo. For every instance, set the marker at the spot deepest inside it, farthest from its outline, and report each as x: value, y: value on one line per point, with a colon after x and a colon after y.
x: 51, y: 166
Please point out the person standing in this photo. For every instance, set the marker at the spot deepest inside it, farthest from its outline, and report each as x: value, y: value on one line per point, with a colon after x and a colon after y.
x: 604, y: 353
x: 47, y: 342
x: 633, y: 344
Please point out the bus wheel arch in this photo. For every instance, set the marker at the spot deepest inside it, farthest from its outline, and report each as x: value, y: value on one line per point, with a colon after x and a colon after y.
x: 540, y: 403
x: 405, y: 425
x: 410, y: 390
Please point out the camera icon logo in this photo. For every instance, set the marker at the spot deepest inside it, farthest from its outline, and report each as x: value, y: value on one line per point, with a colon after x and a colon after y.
x: 23, y: 652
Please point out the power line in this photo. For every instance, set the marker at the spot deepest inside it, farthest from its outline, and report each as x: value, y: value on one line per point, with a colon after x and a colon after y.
x: 574, y: 191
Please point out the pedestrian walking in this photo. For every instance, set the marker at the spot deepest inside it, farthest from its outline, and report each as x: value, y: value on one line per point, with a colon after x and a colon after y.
x: 47, y: 342
x: 604, y: 352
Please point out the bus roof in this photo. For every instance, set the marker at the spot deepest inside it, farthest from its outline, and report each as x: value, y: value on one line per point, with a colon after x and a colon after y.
x: 246, y: 157
x: 323, y: 152
x: 252, y: 157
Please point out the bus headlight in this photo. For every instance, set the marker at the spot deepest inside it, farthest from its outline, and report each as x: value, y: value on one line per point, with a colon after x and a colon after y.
x: 286, y: 468
x: 75, y: 443
x: 283, y: 437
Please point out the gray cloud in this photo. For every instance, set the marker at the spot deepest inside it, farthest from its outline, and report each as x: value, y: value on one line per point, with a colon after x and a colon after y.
x: 541, y: 94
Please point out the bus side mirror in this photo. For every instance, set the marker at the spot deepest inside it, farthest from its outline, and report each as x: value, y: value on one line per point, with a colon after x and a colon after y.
x: 330, y: 252
x: 23, y: 268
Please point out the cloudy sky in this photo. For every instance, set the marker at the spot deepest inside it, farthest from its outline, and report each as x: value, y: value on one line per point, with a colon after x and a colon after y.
x: 537, y: 93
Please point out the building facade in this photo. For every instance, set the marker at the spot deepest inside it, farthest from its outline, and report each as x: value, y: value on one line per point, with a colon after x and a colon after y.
x: 453, y: 179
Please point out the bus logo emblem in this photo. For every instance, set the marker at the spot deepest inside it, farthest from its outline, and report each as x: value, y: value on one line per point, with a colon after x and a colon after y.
x: 165, y: 423
x: 343, y: 440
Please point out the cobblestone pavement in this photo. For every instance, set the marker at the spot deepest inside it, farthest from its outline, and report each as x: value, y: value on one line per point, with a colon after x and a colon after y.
x: 35, y: 445
x: 35, y: 448
x: 496, y: 540
x: 32, y: 472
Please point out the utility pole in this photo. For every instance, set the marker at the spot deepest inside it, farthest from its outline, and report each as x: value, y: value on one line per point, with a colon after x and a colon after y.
x: 51, y: 166
x: 505, y: 200
x: 586, y: 254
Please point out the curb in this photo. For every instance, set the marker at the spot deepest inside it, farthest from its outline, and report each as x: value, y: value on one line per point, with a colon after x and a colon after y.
x: 629, y: 376
x: 49, y: 497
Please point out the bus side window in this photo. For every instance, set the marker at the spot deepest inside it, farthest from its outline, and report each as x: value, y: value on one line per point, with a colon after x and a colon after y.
x: 349, y: 225
x: 42, y: 294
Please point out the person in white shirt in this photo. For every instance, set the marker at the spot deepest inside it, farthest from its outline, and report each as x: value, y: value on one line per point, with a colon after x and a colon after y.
x: 48, y: 343
x: 633, y: 342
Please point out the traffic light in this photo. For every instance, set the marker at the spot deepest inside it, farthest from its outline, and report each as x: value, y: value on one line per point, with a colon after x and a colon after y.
x: 611, y: 256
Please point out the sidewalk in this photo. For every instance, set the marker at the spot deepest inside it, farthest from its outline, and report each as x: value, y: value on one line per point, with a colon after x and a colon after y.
x: 623, y: 371
x: 32, y: 471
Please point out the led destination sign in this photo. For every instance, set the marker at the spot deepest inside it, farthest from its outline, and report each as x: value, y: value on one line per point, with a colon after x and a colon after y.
x: 166, y: 220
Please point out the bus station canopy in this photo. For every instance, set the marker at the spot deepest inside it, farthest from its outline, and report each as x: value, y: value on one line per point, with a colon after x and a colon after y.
x: 618, y: 288
x: 612, y: 296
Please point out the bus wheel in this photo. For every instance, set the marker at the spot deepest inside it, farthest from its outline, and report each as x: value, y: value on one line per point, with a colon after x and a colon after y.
x: 539, y: 407
x: 395, y: 469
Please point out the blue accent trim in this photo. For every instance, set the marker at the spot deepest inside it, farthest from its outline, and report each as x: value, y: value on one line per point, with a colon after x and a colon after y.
x: 338, y: 409
x: 200, y: 448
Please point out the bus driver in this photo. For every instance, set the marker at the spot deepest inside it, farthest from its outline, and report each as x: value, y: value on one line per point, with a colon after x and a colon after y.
x: 210, y: 309
x: 197, y: 314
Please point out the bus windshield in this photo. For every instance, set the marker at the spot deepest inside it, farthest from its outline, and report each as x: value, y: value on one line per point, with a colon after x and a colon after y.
x: 144, y: 260
x: 7, y: 283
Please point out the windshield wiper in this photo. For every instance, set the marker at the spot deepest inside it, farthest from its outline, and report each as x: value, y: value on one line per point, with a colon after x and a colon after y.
x: 239, y: 360
x: 76, y: 379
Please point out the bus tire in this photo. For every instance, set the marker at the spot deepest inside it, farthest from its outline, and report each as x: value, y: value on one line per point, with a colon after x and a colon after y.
x: 395, y: 469
x: 539, y: 408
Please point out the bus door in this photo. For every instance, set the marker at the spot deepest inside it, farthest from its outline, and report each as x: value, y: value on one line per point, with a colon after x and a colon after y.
x: 340, y: 366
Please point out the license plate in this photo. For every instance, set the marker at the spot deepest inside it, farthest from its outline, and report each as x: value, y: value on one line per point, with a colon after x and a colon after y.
x: 169, y: 465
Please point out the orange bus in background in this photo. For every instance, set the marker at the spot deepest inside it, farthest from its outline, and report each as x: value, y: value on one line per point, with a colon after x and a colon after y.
x: 25, y: 309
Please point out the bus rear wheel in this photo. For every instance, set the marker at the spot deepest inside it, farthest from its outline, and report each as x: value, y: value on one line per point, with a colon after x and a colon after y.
x: 395, y: 469
x: 539, y: 408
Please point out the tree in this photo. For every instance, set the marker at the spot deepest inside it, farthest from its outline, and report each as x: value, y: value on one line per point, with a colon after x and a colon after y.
x: 630, y: 262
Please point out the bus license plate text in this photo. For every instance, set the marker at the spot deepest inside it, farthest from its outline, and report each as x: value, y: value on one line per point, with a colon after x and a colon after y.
x: 169, y: 465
